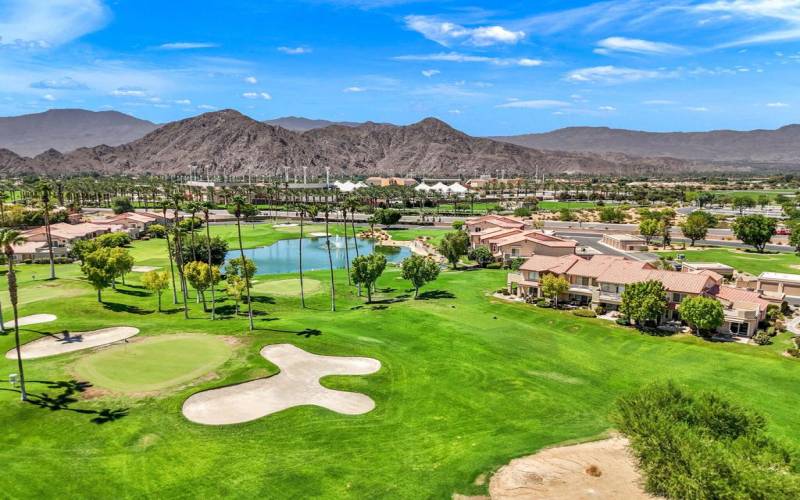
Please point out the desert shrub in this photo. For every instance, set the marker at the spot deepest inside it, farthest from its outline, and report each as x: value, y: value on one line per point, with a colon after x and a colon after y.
x: 702, y: 446
x: 584, y: 313
x: 522, y: 212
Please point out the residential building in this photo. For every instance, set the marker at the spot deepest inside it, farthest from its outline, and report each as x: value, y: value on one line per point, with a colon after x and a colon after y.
x: 134, y: 223
x: 390, y: 181
x: 785, y: 284
x: 723, y: 270
x: 36, y: 251
x: 625, y: 242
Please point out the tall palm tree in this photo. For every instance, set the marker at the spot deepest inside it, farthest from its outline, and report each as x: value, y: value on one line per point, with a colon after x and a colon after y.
x: 44, y: 191
x: 240, y: 208
x: 206, y: 207
x: 164, y: 207
x: 177, y: 199
x: 9, y: 238
x: 346, y: 244
x: 327, y: 208
x: 192, y: 207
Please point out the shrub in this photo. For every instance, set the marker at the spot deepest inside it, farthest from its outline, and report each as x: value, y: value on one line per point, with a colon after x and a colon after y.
x: 762, y: 338
x: 494, y: 265
x: 482, y: 255
x: 771, y: 331
x: 522, y: 212
x: 515, y: 263
x: 793, y: 352
x: 702, y: 446
x: 623, y: 321
x: 542, y: 303
x: 600, y: 310
x: 113, y: 240
x: 156, y: 231
x: 584, y: 313
x: 458, y: 224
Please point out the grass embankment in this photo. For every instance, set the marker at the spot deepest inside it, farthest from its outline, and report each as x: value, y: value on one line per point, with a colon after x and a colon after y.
x: 749, y: 262
x: 467, y: 383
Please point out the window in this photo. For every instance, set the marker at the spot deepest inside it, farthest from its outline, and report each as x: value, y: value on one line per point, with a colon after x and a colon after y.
x: 677, y: 297
x: 739, y: 328
x: 533, y: 276
x: 515, y: 251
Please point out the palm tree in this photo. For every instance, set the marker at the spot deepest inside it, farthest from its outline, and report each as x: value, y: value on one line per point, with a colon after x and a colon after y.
x: 326, y: 207
x: 177, y: 198
x: 164, y: 206
x: 44, y: 190
x: 346, y: 245
x: 9, y: 238
x: 240, y: 208
x: 206, y: 207
x: 193, y: 207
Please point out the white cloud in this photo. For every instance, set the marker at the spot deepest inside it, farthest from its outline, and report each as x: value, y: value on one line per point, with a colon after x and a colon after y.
x: 251, y: 80
x: 607, y: 108
x: 612, y: 74
x: 447, y: 33
x: 777, y: 105
x: 42, y: 24
x: 786, y: 12
x: 295, y: 51
x: 354, y: 89
x: 257, y: 95
x: 48, y: 97
x: 187, y: 45
x: 697, y: 109
x: 65, y: 83
x: 184, y: 102
x: 534, y: 104
x: 206, y: 106
x: 455, y: 111
x: 430, y: 72
x: 128, y: 92
x: 458, y: 57
x: 637, y: 46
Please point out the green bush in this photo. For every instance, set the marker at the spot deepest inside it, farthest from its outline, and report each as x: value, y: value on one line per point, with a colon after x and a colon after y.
x: 458, y: 224
x: 701, y: 446
x: 494, y: 265
x: 762, y: 338
x: 584, y: 313
x: 793, y: 352
x: 600, y: 310
x: 522, y: 212
x: 542, y: 303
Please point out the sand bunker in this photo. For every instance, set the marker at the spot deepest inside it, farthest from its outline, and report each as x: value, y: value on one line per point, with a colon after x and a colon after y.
x: 601, y: 469
x: 61, y: 343
x: 33, y: 319
x: 144, y: 269
x: 297, y: 384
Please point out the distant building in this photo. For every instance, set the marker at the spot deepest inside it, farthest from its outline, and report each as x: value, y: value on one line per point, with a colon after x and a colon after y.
x: 717, y: 267
x: 780, y: 283
x: 625, y: 242
x: 390, y: 181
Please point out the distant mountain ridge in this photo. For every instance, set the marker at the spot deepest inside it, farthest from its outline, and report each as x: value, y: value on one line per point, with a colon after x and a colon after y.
x: 228, y: 142
x: 300, y: 124
x: 760, y: 146
x: 69, y: 129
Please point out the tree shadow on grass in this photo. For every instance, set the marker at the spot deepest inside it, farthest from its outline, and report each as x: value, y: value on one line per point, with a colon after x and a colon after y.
x: 435, y: 295
x: 66, y: 397
x: 126, y: 308
x: 135, y: 293
x: 307, y: 333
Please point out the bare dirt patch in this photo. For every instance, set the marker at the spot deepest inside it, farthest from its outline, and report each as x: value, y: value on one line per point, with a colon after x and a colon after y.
x: 600, y: 469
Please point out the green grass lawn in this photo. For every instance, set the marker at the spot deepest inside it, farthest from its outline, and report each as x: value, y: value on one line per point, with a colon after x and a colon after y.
x: 434, y: 234
x: 573, y: 205
x: 749, y: 262
x: 288, y: 287
x: 754, y: 194
x: 153, y: 363
x: 467, y: 383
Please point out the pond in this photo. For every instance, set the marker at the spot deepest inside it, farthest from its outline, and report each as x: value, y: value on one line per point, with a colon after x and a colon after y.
x: 282, y: 257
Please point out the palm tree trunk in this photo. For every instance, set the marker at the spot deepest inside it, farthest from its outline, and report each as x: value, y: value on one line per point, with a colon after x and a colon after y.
x: 12, y: 291
x: 171, y: 270
x: 346, y: 248
x: 213, y: 299
x: 49, y: 242
x: 330, y: 262
x: 181, y: 277
x: 246, y: 276
x: 300, y: 262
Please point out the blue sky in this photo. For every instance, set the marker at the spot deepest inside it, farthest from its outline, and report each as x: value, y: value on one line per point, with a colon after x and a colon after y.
x: 485, y: 67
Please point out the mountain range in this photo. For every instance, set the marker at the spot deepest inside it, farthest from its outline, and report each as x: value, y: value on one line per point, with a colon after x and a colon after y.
x: 228, y: 142
x: 68, y: 129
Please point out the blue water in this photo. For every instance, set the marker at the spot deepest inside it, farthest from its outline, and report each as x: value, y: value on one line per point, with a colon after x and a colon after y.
x: 282, y: 257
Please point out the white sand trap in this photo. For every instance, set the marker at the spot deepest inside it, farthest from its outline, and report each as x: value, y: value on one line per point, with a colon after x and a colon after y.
x: 297, y: 384
x: 144, y: 269
x: 33, y: 319
x: 60, y: 344
x: 600, y: 469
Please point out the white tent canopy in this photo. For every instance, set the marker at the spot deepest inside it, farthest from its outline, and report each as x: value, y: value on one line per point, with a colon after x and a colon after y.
x: 346, y: 187
x: 457, y: 188
x: 422, y: 187
x: 442, y: 188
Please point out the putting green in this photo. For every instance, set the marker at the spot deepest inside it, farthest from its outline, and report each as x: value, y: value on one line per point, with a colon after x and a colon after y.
x: 288, y: 288
x: 155, y: 363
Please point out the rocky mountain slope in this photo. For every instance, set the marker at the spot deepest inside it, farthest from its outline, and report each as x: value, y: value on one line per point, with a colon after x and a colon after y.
x: 227, y: 142
x: 300, y: 124
x: 760, y: 146
x: 68, y: 129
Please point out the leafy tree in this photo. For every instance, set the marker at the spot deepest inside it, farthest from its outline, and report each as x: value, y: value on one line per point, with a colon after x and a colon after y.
x: 366, y: 269
x: 482, y: 255
x: 241, y: 209
x: 741, y: 202
x: 121, y: 205
x: 156, y: 282
x: 705, y: 198
x: 612, y: 215
x: 710, y: 219
x: 522, y: 212
x: 199, y: 248
x: 386, y: 216
x: 201, y: 276
x: 644, y: 301
x: 794, y: 235
x: 763, y: 200
x: 81, y: 248
x: 458, y: 225
x: 236, y: 288
x: 566, y: 215
x: 704, y: 314
x: 755, y: 230
x: 553, y: 286
x: 234, y: 268
x: 113, y: 240
x: 695, y: 227
x: 121, y: 262
x: 156, y: 230
x: 453, y: 246
x: 648, y: 228
x: 419, y: 270
x: 99, y: 270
